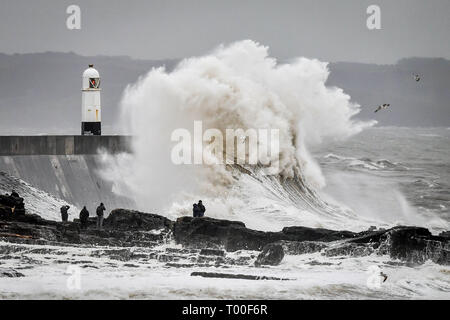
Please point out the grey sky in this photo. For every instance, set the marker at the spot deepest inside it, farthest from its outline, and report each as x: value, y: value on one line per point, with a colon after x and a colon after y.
x: 330, y: 30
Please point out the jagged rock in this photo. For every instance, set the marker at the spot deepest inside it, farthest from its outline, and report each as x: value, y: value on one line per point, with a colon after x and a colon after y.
x: 445, y: 234
x: 233, y: 235
x: 409, y: 244
x: 204, y: 232
x: 128, y: 228
x: 143, y: 230
x: 319, y: 234
x: 233, y: 276
x: 301, y: 247
x: 12, y: 204
x: 413, y: 244
x: 122, y: 219
x: 317, y: 263
x: 10, y: 273
x: 349, y: 249
x: 272, y: 255
x: 212, y: 252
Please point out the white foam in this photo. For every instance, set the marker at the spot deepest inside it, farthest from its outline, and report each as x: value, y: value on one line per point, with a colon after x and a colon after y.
x: 235, y: 86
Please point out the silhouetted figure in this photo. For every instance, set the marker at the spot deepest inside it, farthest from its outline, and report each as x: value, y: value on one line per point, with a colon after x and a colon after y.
x: 84, y: 216
x: 19, y: 205
x: 100, y: 210
x: 14, y: 194
x: 14, y: 202
x: 201, y: 208
x: 64, y: 213
x: 195, y: 210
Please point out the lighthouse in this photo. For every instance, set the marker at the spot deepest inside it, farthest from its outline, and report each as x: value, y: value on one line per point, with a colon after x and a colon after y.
x: 91, y: 115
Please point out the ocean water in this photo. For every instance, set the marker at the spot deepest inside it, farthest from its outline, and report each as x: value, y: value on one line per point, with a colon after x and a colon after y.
x: 331, y: 171
x: 389, y: 173
x: 393, y: 175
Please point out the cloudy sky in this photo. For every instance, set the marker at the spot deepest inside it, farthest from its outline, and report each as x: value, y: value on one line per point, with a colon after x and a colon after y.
x: 157, y: 29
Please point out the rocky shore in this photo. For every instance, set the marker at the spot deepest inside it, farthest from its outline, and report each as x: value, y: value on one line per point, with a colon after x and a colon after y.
x: 213, y: 237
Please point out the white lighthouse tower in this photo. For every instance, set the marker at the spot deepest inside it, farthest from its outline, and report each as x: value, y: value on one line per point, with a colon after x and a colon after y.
x: 91, y: 115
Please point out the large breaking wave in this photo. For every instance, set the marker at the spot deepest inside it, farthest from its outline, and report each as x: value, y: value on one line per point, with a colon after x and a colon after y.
x: 236, y: 86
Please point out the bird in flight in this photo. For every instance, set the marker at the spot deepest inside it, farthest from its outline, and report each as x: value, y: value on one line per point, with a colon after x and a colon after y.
x: 417, y: 77
x: 383, y: 106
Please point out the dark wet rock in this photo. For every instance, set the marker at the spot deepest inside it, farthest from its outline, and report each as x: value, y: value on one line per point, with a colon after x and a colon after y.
x: 400, y: 264
x: 205, y: 232
x: 168, y: 258
x: 271, y: 255
x: 114, y: 254
x: 242, y: 261
x: 408, y: 244
x: 144, y: 230
x: 316, y: 234
x: 182, y: 251
x: 204, y: 239
x: 233, y: 276
x: 12, y: 205
x: 368, y: 237
x: 214, y: 233
x: 212, y: 252
x: 122, y: 219
x: 349, y: 249
x: 10, y: 273
x: 317, y: 263
x: 413, y: 244
x: 130, y: 265
x: 188, y: 265
x: 25, y: 267
x: 233, y: 235
x: 445, y: 234
x: 8, y: 249
x: 210, y: 259
x: 301, y: 247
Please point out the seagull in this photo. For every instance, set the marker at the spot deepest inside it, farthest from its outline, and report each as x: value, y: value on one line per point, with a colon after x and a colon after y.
x: 417, y: 77
x: 384, y: 106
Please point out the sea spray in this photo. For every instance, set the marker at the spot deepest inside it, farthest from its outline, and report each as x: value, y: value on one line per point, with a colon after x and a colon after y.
x: 235, y: 87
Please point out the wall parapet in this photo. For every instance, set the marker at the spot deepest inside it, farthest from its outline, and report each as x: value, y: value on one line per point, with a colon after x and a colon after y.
x: 63, y: 145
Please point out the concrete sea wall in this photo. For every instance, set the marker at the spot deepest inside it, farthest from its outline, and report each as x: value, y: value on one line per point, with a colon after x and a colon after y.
x: 62, y: 145
x: 67, y: 167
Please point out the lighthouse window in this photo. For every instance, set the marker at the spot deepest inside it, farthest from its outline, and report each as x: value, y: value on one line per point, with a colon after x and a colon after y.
x: 94, y: 83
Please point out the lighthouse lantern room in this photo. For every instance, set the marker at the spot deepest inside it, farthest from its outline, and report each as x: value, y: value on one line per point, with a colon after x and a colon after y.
x: 90, y: 103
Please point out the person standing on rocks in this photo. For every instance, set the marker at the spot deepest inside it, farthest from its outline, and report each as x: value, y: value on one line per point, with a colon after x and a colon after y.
x: 195, y: 210
x: 64, y: 213
x: 201, y: 208
x: 84, y: 216
x: 14, y: 194
x: 100, y: 210
x: 19, y: 206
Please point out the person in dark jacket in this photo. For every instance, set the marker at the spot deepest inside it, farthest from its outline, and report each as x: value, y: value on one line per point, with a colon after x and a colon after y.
x: 100, y: 210
x: 195, y: 211
x: 84, y: 216
x: 64, y: 213
x: 14, y: 194
x: 201, y: 208
x: 19, y: 205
